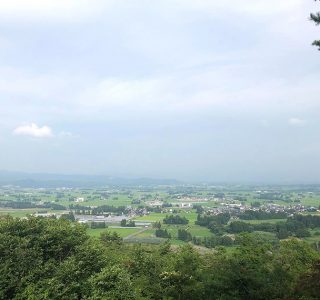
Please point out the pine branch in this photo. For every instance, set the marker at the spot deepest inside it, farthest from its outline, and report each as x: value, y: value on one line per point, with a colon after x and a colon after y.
x: 315, y: 18
x: 317, y: 44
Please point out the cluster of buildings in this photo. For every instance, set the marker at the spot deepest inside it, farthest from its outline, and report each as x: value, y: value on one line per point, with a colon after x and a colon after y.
x: 236, y: 209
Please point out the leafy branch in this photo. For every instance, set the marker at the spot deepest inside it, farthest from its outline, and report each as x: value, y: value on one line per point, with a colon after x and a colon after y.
x: 315, y: 17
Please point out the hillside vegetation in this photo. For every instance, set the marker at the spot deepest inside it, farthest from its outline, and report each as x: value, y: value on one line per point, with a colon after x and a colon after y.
x: 43, y: 258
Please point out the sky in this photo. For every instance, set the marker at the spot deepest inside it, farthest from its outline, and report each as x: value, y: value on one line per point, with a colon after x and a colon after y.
x: 196, y: 90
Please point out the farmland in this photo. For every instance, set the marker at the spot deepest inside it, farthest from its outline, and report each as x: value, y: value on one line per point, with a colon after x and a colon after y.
x: 102, y: 209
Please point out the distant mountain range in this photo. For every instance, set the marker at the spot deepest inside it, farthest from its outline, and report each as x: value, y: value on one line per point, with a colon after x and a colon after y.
x: 44, y: 180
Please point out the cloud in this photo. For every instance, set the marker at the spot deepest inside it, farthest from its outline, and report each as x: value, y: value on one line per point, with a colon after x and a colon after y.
x: 78, y: 10
x: 201, y: 79
x: 256, y: 7
x: 201, y: 92
x: 46, y: 10
x: 296, y: 122
x: 20, y: 82
x: 67, y: 134
x: 34, y: 130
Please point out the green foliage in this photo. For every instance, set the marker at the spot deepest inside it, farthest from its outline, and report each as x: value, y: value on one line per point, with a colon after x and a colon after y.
x: 184, y: 235
x: 213, y: 241
x: 69, y: 216
x: 315, y: 17
x: 42, y: 259
x: 163, y: 233
x: 309, y: 284
x: 156, y: 225
x: 316, y: 43
x: 296, y: 226
x: 309, y: 221
x: 31, y: 249
x: 110, y: 237
x: 70, y: 278
x: 183, y: 281
x: 125, y: 223
x: 210, y: 221
x: 56, y: 206
x: 112, y: 283
x: 258, y: 270
x: 199, y: 209
x: 238, y: 226
x: 175, y: 219
x: 95, y: 225
x: 262, y: 215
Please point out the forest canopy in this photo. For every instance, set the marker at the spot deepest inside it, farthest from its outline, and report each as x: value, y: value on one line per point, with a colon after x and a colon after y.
x: 43, y: 258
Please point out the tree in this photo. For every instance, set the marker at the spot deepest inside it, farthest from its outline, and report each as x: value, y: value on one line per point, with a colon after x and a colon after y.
x: 238, y: 226
x: 282, y: 234
x: 256, y: 270
x: 38, y: 251
x: 55, y: 259
x: 112, y: 283
x: 94, y: 225
x: 303, y: 232
x: 175, y: 219
x: 163, y: 233
x: 315, y: 17
x: 183, y: 281
x: 309, y: 284
x: 69, y: 216
x: 156, y: 225
x: 130, y: 223
x: 110, y: 237
x: 184, y: 235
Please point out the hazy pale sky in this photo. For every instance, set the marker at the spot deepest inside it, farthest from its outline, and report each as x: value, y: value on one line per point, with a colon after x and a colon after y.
x: 186, y: 89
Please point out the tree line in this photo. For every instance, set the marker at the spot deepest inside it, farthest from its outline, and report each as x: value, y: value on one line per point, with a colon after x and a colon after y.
x: 42, y: 258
